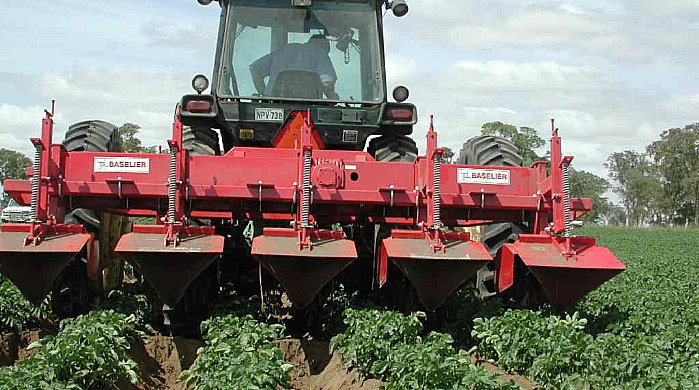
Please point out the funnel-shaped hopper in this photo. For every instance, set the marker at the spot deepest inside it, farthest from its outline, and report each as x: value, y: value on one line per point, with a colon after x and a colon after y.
x: 565, y: 281
x: 303, y: 272
x: 34, y: 268
x: 435, y: 275
x: 171, y: 269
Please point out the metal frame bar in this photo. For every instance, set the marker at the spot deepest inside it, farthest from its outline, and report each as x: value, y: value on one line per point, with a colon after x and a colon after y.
x: 212, y: 186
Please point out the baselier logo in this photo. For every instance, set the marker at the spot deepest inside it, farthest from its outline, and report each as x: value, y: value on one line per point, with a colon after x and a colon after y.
x: 484, y: 176
x: 122, y: 164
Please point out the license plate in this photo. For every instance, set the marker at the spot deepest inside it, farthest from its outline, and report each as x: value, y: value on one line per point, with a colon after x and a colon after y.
x: 269, y: 114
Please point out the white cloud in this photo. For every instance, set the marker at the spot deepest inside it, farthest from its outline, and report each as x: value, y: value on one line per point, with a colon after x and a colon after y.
x: 585, y: 30
x: 529, y: 85
x: 195, y: 38
x: 18, y: 124
x: 683, y: 9
x: 597, y: 114
x: 684, y: 108
x: 117, y: 95
x: 401, y: 70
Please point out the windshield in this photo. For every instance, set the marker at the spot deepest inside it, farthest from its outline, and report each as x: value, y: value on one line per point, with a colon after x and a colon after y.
x: 329, y: 51
x: 13, y: 203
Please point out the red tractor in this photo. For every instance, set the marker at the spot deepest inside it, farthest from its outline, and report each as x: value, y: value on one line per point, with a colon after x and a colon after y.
x: 268, y: 173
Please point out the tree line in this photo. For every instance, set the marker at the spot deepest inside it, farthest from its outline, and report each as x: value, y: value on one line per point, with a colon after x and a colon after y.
x: 660, y: 186
x: 657, y: 186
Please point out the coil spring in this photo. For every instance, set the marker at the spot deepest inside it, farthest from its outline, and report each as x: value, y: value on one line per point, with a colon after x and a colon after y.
x: 172, y: 189
x: 437, y: 192
x: 35, y: 183
x: 306, y: 195
x: 566, y: 200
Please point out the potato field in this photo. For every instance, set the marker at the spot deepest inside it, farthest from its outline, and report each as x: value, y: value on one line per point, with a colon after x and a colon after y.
x: 638, y: 331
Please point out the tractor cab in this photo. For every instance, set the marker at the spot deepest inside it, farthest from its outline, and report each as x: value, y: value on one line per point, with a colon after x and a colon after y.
x: 276, y: 58
x: 299, y: 49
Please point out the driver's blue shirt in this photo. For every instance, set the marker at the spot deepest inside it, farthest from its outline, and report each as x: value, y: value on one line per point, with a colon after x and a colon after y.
x: 302, y: 56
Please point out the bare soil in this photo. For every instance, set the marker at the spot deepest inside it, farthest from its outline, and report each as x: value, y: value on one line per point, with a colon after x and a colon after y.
x: 523, y: 382
x: 13, y: 346
x: 317, y: 369
x: 161, y: 360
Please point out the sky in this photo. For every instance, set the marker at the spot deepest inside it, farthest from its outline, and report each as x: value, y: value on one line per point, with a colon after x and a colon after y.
x: 614, y: 74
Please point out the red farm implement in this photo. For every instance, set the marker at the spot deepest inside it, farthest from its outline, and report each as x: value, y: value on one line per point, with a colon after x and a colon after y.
x: 296, y: 165
x: 312, y: 188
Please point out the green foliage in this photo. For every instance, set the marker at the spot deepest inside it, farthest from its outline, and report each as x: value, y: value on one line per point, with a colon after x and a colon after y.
x: 463, y: 308
x: 676, y: 154
x: 232, y: 303
x: 639, y: 185
x: 88, y: 353
x: 29, y: 378
x: 131, y: 299
x: 547, y: 349
x: 640, y: 330
x: 389, y: 345
x: 660, y: 186
x: 12, y: 166
x: 239, y: 354
x: 448, y: 156
x: 371, y: 336
x: 588, y: 185
x: 16, y: 313
x: 433, y: 363
x: 659, y: 288
x: 131, y: 143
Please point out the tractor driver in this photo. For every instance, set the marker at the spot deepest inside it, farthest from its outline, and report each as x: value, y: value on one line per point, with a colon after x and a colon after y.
x: 312, y: 56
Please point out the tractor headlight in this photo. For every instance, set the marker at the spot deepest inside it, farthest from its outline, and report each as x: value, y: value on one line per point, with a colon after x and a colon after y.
x: 302, y: 3
x: 401, y: 94
x: 399, y: 7
x: 200, y: 83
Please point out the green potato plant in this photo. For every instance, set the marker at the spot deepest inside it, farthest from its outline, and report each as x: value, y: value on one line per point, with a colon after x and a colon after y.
x: 390, y: 346
x: 16, y: 313
x: 239, y: 354
x: 638, y: 331
x: 89, y: 352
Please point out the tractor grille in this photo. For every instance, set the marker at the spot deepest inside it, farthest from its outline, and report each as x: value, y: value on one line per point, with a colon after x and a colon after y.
x: 18, y: 216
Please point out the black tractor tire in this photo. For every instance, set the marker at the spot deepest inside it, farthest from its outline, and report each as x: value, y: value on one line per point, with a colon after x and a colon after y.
x: 201, y: 141
x: 93, y: 136
x: 490, y: 150
x: 486, y: 150
x: 395, y: 148
x: 493, y: 151
x: 74, y: 293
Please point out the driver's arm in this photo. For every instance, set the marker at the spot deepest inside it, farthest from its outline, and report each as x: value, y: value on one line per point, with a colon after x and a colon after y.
x: 259, y: 70
x: 329, y: 91
x: 258, y: 81
x: 328, y: 76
